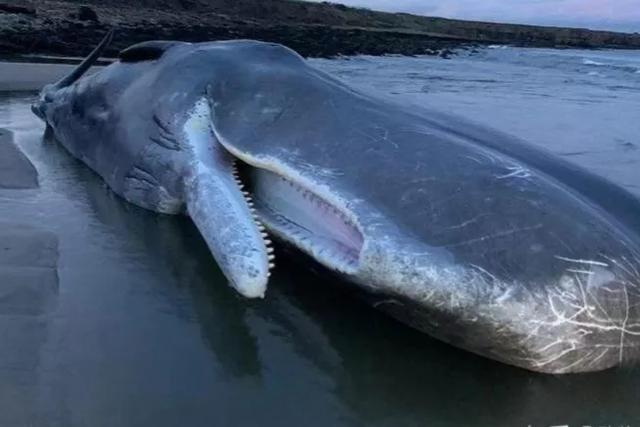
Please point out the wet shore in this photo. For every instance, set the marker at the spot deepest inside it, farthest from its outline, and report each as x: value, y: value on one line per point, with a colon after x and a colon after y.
x: 28, y: 279
x: 30, y: 76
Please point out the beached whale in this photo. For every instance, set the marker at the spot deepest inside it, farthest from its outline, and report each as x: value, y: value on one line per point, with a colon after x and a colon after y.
x: 460, y: 231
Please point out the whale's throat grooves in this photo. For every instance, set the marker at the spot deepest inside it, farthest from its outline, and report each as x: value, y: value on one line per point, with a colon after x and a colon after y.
x: 305, y: 219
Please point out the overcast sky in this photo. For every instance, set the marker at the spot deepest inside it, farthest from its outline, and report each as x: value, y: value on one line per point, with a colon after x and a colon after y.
x: 621, y: 15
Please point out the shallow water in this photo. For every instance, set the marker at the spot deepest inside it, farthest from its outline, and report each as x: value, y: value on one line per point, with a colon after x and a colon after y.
x: 582, y: 105
x: 144, y: 331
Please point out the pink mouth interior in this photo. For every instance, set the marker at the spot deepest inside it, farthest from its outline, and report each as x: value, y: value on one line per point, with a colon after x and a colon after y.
x: 306, y: 220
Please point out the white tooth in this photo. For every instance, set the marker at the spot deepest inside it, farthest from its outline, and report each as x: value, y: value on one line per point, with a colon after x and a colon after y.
x: 269, y: 250
x: 271, y: 257
x: 271, y: 265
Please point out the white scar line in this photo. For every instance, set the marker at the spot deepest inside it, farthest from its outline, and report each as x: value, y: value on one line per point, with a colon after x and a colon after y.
x: 583, y: 261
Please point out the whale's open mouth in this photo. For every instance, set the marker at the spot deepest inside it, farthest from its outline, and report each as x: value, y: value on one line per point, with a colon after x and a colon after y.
x: 299, y: 216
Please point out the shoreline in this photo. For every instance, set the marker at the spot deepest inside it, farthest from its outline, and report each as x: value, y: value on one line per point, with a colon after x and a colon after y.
x: 324, y: 30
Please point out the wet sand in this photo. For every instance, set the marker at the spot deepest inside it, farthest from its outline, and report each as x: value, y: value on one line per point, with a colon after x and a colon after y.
x: 16, y: 171
x: 28, y: 283
x: 28, y: 254
x: 28, y: 262
x: 28, y: 294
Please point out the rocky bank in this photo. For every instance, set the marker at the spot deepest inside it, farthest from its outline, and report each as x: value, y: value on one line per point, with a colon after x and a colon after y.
x: 71, y: 27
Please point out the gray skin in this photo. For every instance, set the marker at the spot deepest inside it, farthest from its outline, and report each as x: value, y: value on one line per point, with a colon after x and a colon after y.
x: 464, y: 233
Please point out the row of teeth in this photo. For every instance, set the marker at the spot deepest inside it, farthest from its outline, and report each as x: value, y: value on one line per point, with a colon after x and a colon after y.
x: 338, y: 253
x: 319, y: 202
x: 263, y: 232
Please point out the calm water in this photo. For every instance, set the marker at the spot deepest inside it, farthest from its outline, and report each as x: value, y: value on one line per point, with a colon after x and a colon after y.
x: 144, y: 331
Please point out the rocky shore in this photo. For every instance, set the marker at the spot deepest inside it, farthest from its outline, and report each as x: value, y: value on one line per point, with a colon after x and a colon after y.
x: 71, y: 27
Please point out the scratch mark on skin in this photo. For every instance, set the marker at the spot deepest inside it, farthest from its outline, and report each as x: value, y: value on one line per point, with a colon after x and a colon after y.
x: 582, y: 261
x: 383, y: 138
x: 478, y: 161
x: 562, y: 242
x: 582, y: 304
x: 466, y: 223
x: 572, y: 347
x: 516, y: 172
x: 494, y: 235
x: 587, y: 272
x: 605, y: 325
x: 577, y: 362
x: 313, y: 170
x: 482, y: 270
x: 623, y: 329
x: 595, y: 360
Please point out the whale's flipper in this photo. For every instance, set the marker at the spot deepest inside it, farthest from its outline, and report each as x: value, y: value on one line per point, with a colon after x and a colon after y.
x: 222, y: 212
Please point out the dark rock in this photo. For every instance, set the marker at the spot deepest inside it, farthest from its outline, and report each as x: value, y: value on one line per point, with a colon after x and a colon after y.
x: 85, y: 13
x: 10, y: 8
x: 446, y: 53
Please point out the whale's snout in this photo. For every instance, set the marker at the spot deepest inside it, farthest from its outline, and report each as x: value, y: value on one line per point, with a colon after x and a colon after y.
x: 35, y: 109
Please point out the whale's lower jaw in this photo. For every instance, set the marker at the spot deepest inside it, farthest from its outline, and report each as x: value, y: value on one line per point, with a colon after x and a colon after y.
x: 298, y: 216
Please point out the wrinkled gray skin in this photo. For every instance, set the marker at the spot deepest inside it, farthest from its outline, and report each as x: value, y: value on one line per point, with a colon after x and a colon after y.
x: 460, y: 231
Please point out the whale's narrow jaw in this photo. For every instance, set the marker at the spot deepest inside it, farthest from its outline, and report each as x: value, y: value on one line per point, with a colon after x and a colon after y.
x: 235, y: 236
x: 223, y: 211
x: 298, y: 215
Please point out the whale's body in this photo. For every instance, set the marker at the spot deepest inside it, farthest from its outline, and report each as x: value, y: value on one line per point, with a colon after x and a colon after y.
x: 460, y: 231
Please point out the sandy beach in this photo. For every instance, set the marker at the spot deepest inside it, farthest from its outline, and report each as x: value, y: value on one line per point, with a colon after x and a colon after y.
x: 16, y: 171
x: 28, y: 279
